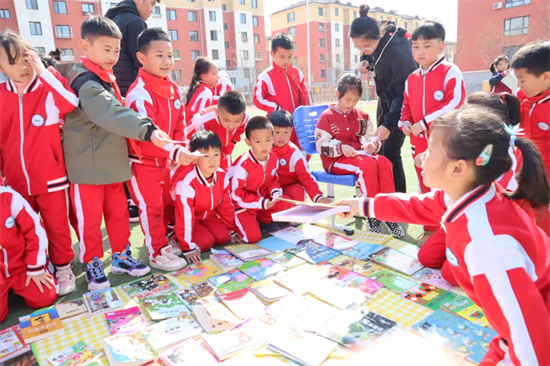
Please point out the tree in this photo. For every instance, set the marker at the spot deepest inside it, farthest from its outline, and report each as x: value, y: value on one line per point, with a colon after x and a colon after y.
x: 247, y: 63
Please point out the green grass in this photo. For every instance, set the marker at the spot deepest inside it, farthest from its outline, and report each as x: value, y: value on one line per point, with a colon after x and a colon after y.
x: 17, y: 307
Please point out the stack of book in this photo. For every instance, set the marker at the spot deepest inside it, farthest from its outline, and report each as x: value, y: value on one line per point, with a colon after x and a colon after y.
x: 247, y: 252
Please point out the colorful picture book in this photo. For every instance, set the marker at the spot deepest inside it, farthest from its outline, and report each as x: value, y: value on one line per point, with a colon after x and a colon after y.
x: 293, y: 234
x: 26, y: 358
x: 365, y: 268
x: 302, y: 347
x: 198, y: 272
x: 286, y: 259
x: 355, y: 280
x: 223, y: 345
x: 259, y: 269
x: 396, y: 260
x: 433, y: 277
x: 11, y: 343
x: 165, y: 334
x: 243, y: 303
x: 395, y: 282
x: 125, y: 321
x: 102, y: 301
x: 155, y: 284
x: 39, y: 325
x: 79, y: 354
x: 335, y: 241
x: 231, y: 281
x: 189, y: 353
x: 428, y: 295
x: 457, y: 333
x: 363, y: 250
x: 247, y: 252
x: 189, y: 297
x: 275, y: 244
x: 165, y: 306
x: 313, y: 252
x: 333, y: 271
x: 224, y: 260
x: 465, y: 308
x: 127, y: 349
x: 73, y: 309
x: 204, y: 289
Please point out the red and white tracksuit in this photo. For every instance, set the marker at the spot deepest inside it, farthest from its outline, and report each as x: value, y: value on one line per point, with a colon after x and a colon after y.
x: 224, y: 84
x: 205, y: 215
x: 277, y: 88
x: 502, y: 261
x: 202, y: 98
x: 207, y: 119
x: 295, y: 177
x: 336, y: 128
x: 160, y: 100
x: 22, y: 252
x: 430, y: 94
x: 253, y: 184
x: 31, y: 154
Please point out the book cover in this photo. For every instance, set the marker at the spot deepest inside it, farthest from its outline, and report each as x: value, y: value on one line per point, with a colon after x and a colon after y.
x: 275, y: 244
x: 268, y: 290
x: 243, y: 303
x: 396, y: 260
x: 40, y: 325
x: 223, y: 345
x: 204, y: 289
x: 255, y: 333
x: 339, y: 297
x: 226, y: 261
x: 335, y: 241
x: 433, y: 277
x: 355, y: 280
x: 308, y: 214
x: 299, y: 280
x: 259, y: 269
x: 286, y: 259
x: 294, y: 234
x: 363, y: 250
x: 127, y: 349
x: 101, y: 301
x: 208, y: 318
x: 125, y: 321
x: 231, y: 281
x: 165, y: 306
x: 362, y: 267
x: 189, y: 297
x: 456, y: 333
x: 155, y: 284
x: 302, y: 347
x: 333, y: 271
x: 465, y: 308
x: 26, y: 358
x: 247, y: 252
x: 162, y: 335
x: 427, y: 295
x: 76, y: 355
x: 198, y: 272
x: 11, y: 343
x: 313, y: 252
x: 71, y: 309
x: 189, y: 353
x: 395, y: 282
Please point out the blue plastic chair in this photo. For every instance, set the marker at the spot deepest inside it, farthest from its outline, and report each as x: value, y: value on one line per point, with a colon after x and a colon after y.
x: 305, y: 121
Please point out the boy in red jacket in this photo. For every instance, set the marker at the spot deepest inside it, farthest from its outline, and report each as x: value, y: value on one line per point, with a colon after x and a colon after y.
x: 205, y: 215
x: 23, y: 254
x: 254, y: 183
x: 32, y: 102
x: 227, y: 120
x: 281, y: 86
x: 294, y: 175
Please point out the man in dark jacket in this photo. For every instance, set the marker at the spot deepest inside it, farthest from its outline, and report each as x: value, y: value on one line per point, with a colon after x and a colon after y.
x: 130, y: 16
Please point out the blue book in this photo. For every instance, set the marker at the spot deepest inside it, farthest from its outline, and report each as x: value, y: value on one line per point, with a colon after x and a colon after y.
x: 275, y: 244
x: 311, y: 251
x: 363, y: 250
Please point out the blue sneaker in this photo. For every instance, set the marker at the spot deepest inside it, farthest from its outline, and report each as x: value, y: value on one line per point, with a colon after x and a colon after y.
x: 96, y: 276
x: 124, y: 263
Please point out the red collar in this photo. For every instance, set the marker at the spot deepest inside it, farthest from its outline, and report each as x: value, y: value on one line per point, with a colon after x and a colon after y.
x: 280, y: 150
x: 163, y: 87
x: 280, y: 69
x: 255, y: 159
x: 338, y: 110
x: 105, y: 75
x: 539, y: 98
x: 480, y: 194
x: 203, y: 180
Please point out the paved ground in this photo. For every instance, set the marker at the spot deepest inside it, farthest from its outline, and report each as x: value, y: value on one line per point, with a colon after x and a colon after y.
x: 18, y: 308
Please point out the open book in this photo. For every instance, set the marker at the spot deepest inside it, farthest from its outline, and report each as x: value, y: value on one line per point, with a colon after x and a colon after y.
x: 308, y: 212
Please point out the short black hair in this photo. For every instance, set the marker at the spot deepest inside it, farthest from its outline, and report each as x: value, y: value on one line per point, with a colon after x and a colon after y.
x: 534, y: 56
x: 429, y: 31
x: 204, y: 139
x: 233, y: 102
x: 14, y: 45
x: 283, y: 40
x: 257, y: 123
x: 97, y: 26
x: 150, y: 35
x: 347, y: 82
x: 281, y: 118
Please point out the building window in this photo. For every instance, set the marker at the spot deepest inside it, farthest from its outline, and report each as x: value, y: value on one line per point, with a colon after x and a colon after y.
x: 516, y: 26
x: 67, y: 54
x: 258, y: 55
x: 255, y: 21
x: 337, y: 58
x: 224, y: 26
x: 245, y: 55
x: 405, y: 25
x: 36, y: 28
x: 226, y: 45
x: 193, y: 36
x: 321, y: 42
x: 195, y: 55
x: 256, y: 39
x: 212, y: 16
x: 320, y: 11
x: 323, y: 73
x: 171, y: 14
x: 227, y: 63
x: 233, y: 81
x: 224, y: 7
x: 89, y: 8
x: 247, y: 73
x: 243, y: 18
x: 322, y: 58
x: 156, y: 12
x: 292, y: 31
x: 510, y: 51
x: 337, y: 42
x: 295, y: 46
x: 176, y: 75
x: 213, y: 35
x: 60, y: 7
x: 215, y: 55
x: 336, y: 27
x: 513, y: 3
x: 192, y: 16
x: 244, y: 37
x: 176, y: 54
x: 354, y: 14
x: 291, y: 17
x: 241, y: 2
x: 173, y: 34
x: 4, y: 14
x: 31, y: 4
x: 254, y: 4
x: 335, y: 11
x: 190, y: 1
x: 321, y: 27
x: 40, y: 50
x: 63, y: 31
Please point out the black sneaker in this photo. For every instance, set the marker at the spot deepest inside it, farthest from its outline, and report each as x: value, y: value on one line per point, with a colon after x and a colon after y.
x: 395, y: 228
x: 374, y: 225
x: 270, y: 228
x: 134, y: 212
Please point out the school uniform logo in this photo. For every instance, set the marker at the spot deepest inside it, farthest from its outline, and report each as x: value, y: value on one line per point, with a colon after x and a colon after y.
x: 544, y: 126
x: 274, y: 171
x: 282, y: 162
x: 177, y: 104
x: 37, y: 120
x: 438, y: 95
x: 10, y: 222
x: 451, y: 257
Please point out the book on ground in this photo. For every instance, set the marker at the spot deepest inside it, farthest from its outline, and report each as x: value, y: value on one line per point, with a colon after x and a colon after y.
x: 433, y: 277
x: 268, y: 290
x: 101, y: 301
x: 333, y: 271
x: 308, y: 214
x: 362, y: 267
x: 300, y: 279
x: 466, y: 309
x: 305, y: 348
x: 26, y: 358
x: 286, y: 259
x: 396, y: 260
x: 39, y: 325
x: 165, y: 334
x: 231, y: 281
x: 247, y: 252
x: 259, y: 269
x: 12, y: 343
x: 155, y: 284
x: 355, y: 280
x: 165, y: 306
x: 313, y: 252
x: 198, y: 272
x: 224, y: 260
x: 209, y: 323
x: 428, y: 295
x: 76, y: 355
x: 189, y: 297
x: 125, y: 321
x: 255, y: 333
x: 223, y: 345
x: 339, y: 297
x: 275, y: 244
x: 363, y: 250
x: 395, y: 282
x: 188, y: 353
x: 335, y: 241
x: 127, y: 349
x: 294, y: 234
x: 204, y: 289
x: 71, y: 310
x: 243, y: 303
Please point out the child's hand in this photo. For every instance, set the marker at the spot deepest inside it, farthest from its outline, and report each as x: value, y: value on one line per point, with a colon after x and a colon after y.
x: 325, y: 200
x: 44, y: 278
x: 270, y: 204
x: 382, y: 133
x: 34, y: 61
x: 160, y: 138
x: 417, y: 129
x: 348, y: 151
x: 407, y: 128
x: 194, y: 256
x: 353, y: 203
x: 418, y: 160
x: 186, y: 158
x: 236, y: 239
x: 370, y: 148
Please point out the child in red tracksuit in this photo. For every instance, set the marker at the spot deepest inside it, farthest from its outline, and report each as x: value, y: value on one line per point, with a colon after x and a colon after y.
x: 255, y: 184
x: 200, y: 94
x: 32, y: 102
x: 23, y: 254
x: 431, y: 91
x: 344, y: 139
x: 294, y: 175
x: 205, y: 215
x: 154, y: 95
x: 281, y: 86
x: 496, y: 252
x: 223, y: 85
x: 499, y: 70
x: 227, y: 120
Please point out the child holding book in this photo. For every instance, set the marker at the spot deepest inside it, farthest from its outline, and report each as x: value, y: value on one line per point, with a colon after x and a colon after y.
x: 344, y: 139
x: 255, y: 184
x: 294, y: 175
x: 200, y: 94
x: 496, y: 252
x: 205, y: 215
x: 96, y: 153
x: 499, y: 70
x: 33, y: 102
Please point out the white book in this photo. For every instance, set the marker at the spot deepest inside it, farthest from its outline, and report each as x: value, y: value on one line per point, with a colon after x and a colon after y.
x: 163, y: 335
x: 305, y: 348
x: 223, y: 345
x: 308, y: 214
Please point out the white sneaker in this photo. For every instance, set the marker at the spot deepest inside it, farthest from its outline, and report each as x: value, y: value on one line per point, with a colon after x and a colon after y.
x: 66, y: 281
x: 167, y: 260
x: 176, y: 250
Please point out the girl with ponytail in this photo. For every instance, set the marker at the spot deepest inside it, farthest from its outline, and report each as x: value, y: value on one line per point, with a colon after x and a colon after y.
x: 500, y: 68
x: 201, y: 89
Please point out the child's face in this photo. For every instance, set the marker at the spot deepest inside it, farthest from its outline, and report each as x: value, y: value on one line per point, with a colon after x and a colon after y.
x: 102, y: 51
x: 209, y: 162
x: 282, y: 135
x: 532, y: 85
x: 261, y: 143
x: 503, y: 65
x: 20, y: 71
x: 229, y: 121
x: 349, y: 100
x: 282, y: 57
x: 426, y: 52
x: 158, y: 60
x: 211, y: 77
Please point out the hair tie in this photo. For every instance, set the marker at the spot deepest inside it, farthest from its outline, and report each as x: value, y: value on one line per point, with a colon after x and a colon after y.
x: 503, y: 97
x: 513, y: 131
x: 485, y: 155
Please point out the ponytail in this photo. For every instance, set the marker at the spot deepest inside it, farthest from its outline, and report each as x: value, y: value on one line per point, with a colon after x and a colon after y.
x: 493, y: 67
x: 505, y: 104
x: 513, y: 106
x: 202, y: 66
x: 364, y: 26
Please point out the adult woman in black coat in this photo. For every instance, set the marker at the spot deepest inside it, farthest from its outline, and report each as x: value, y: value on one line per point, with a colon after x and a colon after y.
x: 387, y: 52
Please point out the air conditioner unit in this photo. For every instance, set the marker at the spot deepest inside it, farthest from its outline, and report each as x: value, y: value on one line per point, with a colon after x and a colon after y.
x: 497, y: 5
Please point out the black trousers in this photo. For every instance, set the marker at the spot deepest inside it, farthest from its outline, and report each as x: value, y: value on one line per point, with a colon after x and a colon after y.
x: 391, y: 149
